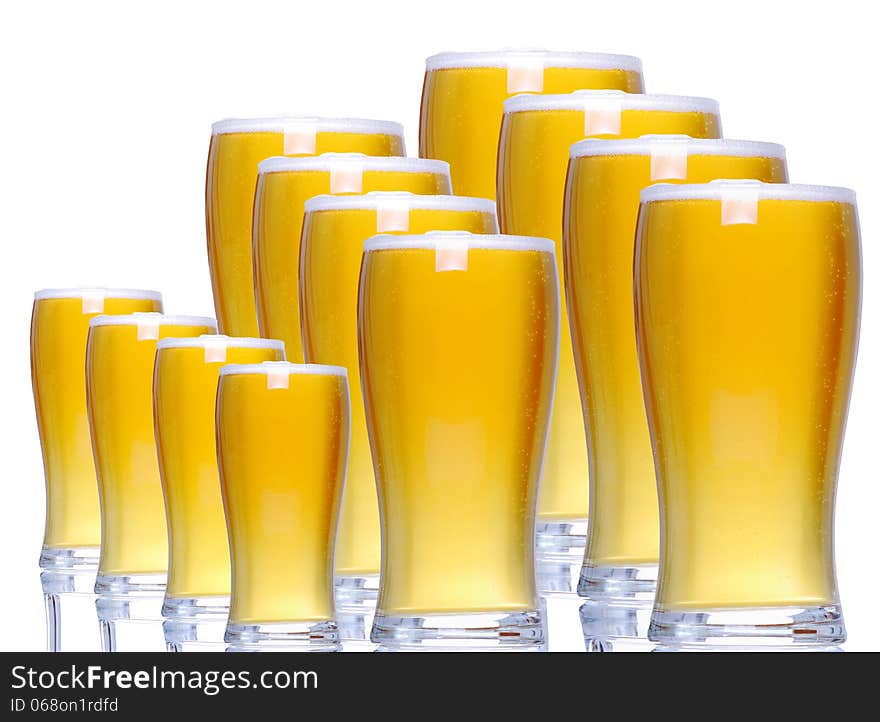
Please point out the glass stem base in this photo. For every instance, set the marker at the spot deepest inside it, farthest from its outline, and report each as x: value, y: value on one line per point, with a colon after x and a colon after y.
x: 559, y: 554
x: 130, y: 612
x: 633, y: 582
x: 617, y: 612
x: 782, y: 627
x: 283, y: 637
x: 195, y: 624
x: 68, y: 582
x: 479, y: 630
x: 620, y: 626
x: 355, y: 598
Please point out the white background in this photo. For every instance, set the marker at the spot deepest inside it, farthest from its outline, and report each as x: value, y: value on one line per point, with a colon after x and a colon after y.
x: 105, y: 113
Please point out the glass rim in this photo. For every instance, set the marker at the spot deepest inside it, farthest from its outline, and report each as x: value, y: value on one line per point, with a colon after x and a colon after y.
x: 327, y: 162
x: 285, y: 123
x: 486, y: 241
x: 582, y: 99
x: 374, y: 199
x: 133, y: 319
x: 550, y: 58
x: 215, y: 340
x: 717, y: 190
x: 98, y: 291
x: 293, y: 369
x: 647, y: 144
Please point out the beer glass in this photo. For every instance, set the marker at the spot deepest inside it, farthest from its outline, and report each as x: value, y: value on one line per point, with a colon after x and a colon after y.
x: 536, y: 134
x: 134, y: 536
x: 463, y: 95
x: 283, y: 187
x: 72, y: 538
x: 458, y: 340
x: 605, y: 178
x: 282, y: 447
x: 237, y: 146
x: 747, y: 303
x: 184, y: 402
x: 334, y: 231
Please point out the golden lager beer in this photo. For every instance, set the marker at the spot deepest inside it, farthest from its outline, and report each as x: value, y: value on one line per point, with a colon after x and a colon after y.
x: 184, y: 404
x: 283, y: 187
x: 72, y: 538
x: 747, y: 312
x: 334, y: 231
x: 463, y: 95
x: 119, y: 383
x: 536, y: 134
x: 282, y: 443
x: 458, y: 338
x: 605, y: 178
x: 59, y: 330
x: 237, y: 146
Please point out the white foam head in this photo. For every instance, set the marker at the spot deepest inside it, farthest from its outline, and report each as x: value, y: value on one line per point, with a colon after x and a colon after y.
x: 684, y: 144
x: 293, y: 123
x: 334, y: 161
x: 588, y: 99
x: 97, y: 292
x: 214, y: 340
x: 378, y: 199
x: 547, y: 58
x: 724, y: 189
x: 434, y: 239
x: 271, y: 368
x: 155, y: 319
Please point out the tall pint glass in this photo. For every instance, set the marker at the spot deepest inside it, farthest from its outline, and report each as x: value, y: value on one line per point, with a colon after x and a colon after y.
x: 536, y: 135
x: 334, y: 231
x: 605, y: 179
x: 747, y: 312
x: 458, y: 339
x: 72, y: 538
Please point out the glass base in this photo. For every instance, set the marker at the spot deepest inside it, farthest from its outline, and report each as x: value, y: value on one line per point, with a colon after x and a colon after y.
x: 478, y: 630
x: 355, y: 598
x: 195, y: 624
x: 789, y: 627
x: 283, y: 637
x: 747, y: 648
x: 518, y: 649
x: 636, y: 582
x: 131, y: 584
x: 70, y: 558
x: 621, y: 626
x: 130, y: 612
x: 559, y: 554
x: 68, y: 582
